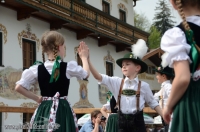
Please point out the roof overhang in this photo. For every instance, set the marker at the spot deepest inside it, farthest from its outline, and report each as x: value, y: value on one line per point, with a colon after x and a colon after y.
x: 154, y: 56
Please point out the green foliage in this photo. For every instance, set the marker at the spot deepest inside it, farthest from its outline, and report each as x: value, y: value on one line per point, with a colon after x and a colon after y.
x: 163, y: 19
x: 154, y: 38
x: 141, y: 21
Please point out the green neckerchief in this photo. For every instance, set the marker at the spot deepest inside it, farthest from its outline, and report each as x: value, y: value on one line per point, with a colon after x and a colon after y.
x: 193, y: 50
x: 55, y: 66
x: 37, y: 63
x: 108, y: 94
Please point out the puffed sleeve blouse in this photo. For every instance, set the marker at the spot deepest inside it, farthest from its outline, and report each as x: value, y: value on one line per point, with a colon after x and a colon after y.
x: 29, y: 76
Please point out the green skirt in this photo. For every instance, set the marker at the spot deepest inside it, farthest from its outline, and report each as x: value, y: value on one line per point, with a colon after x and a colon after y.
x: 111, y: 125
x: 61, y: 120
x: 186, y: 114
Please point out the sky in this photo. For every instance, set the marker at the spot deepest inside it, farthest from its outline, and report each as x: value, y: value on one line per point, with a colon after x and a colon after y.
x: 148, y: 7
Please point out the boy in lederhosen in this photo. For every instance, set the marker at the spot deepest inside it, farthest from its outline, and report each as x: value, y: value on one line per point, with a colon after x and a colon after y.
x: 164, y: 77
x: 131, y: 93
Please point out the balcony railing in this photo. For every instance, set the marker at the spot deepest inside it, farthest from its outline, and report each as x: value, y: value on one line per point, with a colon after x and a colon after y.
x: 76, y: 110
x: 90, y: 18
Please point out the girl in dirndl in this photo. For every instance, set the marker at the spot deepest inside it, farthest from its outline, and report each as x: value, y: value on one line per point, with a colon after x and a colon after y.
x: 54, y: 112
x: 181, y: 45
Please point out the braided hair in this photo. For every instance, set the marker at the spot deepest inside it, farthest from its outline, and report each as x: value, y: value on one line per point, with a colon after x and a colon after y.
x: 184, y: 3
x: 50, y: 42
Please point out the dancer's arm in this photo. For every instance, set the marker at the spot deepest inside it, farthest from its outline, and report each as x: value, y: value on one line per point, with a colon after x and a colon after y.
x: 94, y: 72
x: 158, y: 110
x: 104, y: 113
x: 28, y: 94
x: 180, y: 82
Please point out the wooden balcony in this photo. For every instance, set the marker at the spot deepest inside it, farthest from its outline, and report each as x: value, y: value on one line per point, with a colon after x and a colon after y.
x: 81, y: 18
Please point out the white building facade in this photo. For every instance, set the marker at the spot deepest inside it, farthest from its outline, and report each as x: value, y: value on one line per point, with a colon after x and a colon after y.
x: 17, y: 29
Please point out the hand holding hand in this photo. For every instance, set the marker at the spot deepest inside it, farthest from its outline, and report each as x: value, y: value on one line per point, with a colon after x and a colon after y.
x: 167, y: 114
x: 39, y: 99
x: 83, y: 50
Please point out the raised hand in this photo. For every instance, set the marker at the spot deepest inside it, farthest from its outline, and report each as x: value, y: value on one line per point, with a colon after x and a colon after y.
x: 83, y: 50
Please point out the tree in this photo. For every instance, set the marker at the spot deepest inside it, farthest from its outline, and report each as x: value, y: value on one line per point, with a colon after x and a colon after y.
x: 163, y: 19
x: 154, y: 38
x: 141, y: 21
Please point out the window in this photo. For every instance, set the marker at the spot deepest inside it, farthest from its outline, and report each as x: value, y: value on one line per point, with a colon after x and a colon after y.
x: 79, y: 61
x: 106, y: 7
x: 26, y: 119
x: 122, y: 15
x: 0, y: 121
x: 29, y: 53
x: 150, y: 70
x: 109, y: 69
x: 1, y: 48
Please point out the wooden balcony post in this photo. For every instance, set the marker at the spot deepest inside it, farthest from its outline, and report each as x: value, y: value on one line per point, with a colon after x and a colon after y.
x: 116, y: 29
x: 96, y: 25
x: 133, y: 35
x: 72, y: 7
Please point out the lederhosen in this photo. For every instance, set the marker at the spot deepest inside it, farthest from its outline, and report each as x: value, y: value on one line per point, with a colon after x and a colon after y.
x: 131, y: 122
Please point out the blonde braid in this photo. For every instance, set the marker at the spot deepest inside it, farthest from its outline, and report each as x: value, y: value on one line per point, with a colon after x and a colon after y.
x: 181, y: 13
x: 55, y: 51
x: 185, y: 24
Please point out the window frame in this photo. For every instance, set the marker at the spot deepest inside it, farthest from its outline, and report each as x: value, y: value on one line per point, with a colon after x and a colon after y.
x: 34, y: 51
x: 79, y: 61
x: 107, y: 4
x: 150, y: 70
x: 112, y: 72
x: 122, y: 11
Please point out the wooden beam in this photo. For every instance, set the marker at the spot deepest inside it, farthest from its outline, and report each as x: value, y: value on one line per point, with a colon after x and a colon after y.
x: 55, y: 25
x: 23, y: 14
x: 76, y: 110
x: 103, y: 41
x: 81, y: 34
x: 153, y: 53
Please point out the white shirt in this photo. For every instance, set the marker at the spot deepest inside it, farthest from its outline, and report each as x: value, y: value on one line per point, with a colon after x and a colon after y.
x: 107, y: 106
x: 165, y: 91
x: 175, y: 45
x: 128, y: 103
x: 29, y: 76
